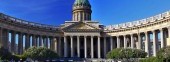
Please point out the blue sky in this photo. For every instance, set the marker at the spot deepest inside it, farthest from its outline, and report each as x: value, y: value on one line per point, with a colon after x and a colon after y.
x: 107, y: 12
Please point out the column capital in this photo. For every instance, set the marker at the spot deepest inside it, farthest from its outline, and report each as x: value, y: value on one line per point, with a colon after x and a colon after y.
x: 51, y: 36
x: 71, y: 36
x: 38, y: 35
x: 105, y: 36
x: 77, y: 36
x: 168, y: 27
x: 153, y: 31
x: 13, y: 31
x: 64, y: 36
x: 160, y: 29
x: 85, y: 36
x: 98, y: 36
x: 59, y: 37
x: 146, y: 32
x: 138, y: 33
x: 124, y: 35
x: 117, y: 36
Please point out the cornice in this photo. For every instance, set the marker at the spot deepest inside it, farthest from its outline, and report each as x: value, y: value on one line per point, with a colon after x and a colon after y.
x: 164, y: 20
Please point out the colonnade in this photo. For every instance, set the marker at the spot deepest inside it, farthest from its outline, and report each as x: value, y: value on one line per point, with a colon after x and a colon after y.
x: 18, y: 42
x: 98, y: 47
x: 80, y: 46
x: 86, y: 46
x: 144, y: 40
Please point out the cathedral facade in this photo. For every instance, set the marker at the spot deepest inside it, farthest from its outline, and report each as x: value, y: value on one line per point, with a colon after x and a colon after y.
x: 83, y: 37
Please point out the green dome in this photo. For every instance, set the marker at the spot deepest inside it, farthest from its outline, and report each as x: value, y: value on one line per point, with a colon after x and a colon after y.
x: 82, y: 2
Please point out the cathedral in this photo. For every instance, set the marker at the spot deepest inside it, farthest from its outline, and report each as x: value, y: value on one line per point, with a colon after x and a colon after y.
x: 83, y: 37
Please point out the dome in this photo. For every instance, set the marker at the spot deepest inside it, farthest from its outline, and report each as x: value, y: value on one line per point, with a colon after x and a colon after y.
x: 82, y: 2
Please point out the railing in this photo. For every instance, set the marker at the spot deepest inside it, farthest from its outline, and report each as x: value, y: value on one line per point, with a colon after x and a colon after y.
x: 139, y: 22
x: 3, y: 16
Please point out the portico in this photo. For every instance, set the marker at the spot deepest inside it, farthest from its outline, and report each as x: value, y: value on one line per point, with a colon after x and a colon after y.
x: 81, y: 40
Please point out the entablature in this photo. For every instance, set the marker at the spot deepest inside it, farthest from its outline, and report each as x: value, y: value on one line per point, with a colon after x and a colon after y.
x: 26, y: 24
x: 158, y: 22
x: 81, y: 33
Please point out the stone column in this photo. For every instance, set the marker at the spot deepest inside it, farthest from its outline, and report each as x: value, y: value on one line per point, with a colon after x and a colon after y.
x: 59, y: 46
x: 54, y: 44
x: 111, y: 43
x: 169, y: 32
x: 5, y: 39
x: 147, y: 43
x: 79, y: 16
x: 65, y: 46
x: 1, y: 45
x: 78, y: 46
x: 72, y: 48
x: 85, y: 47
x: 36, y: 41
x: 46, y: 42
x: 118, y: 42
x: 13, y: 35
x: 99, y: 56
x: 105, y: 50
x: 27, y: 41
x: 43, y: 42
x: 139, y: 46
x: 92, y: 51
x: 162, y: 38
x: 154, y: 43
x: 2, y: 38
x: 33, y: 40
x: 73, y: 16
x: 132, y: 41
x: 40, y: 41
x: 125, y: 41
x: 20, y: 43
x: 83, y: 17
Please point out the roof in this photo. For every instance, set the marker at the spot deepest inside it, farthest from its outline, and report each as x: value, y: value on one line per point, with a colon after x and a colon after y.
x: 82, y: 2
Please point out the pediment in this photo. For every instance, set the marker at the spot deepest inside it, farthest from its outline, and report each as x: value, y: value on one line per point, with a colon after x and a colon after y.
x: 81, y: 25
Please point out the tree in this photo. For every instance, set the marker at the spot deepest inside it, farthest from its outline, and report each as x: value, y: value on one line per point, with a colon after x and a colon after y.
x: 164, y: 54
x: 5, y: 54
x: 40, y: 53
x: 121, y: 53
